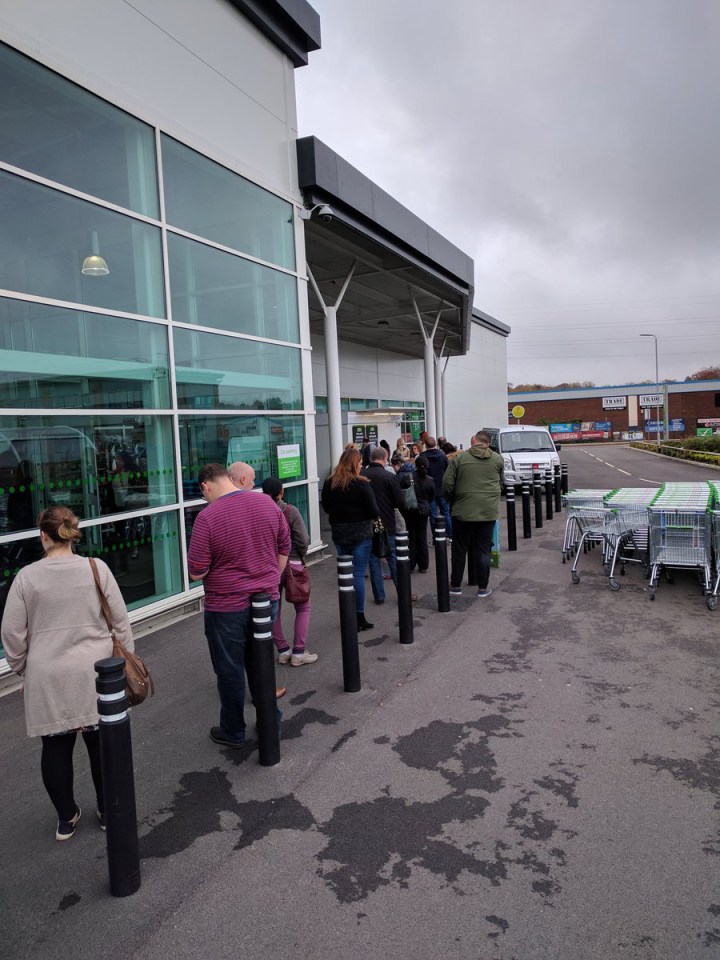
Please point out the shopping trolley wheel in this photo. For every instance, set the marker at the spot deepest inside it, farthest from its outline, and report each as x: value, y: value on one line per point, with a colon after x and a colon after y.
x: 575, y: 576
x: 564, y: 555
x: 711, y: 602
x: 651, y: 592
x: 606, y: 568
x: 614, y: 585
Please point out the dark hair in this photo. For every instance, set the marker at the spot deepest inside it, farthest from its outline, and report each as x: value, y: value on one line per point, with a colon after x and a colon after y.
x: 483, y: 436
x: 385, y: 445
x: 449, y: 447
x: 60, y: 524
x: 421, y: 466
x: 397, y: 458
x: 213, y: 471
x: 272, y: 487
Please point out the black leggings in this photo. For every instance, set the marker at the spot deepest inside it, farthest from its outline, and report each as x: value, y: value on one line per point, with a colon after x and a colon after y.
x: 57, y: 770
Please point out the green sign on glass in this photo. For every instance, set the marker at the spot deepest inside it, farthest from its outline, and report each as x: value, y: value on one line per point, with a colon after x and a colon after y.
x: 289, y: 462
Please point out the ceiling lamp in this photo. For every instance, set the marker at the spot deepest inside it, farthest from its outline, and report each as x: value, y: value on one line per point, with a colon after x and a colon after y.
x: 95, y: 265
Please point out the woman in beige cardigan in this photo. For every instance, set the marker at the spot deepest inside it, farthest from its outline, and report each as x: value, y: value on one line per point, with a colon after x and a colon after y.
x: 53, y: 631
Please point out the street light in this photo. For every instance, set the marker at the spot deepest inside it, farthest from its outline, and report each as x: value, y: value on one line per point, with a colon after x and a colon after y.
x: 657, y: 390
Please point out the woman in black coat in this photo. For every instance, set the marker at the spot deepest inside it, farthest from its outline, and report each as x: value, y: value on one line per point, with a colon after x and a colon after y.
x: 416, y: 520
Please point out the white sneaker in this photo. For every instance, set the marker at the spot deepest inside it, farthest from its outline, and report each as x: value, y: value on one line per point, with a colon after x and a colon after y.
x: 298, y: 659
x: 284, y: 657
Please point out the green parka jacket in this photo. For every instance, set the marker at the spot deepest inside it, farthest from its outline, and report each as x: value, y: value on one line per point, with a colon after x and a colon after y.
x: 472, y: 484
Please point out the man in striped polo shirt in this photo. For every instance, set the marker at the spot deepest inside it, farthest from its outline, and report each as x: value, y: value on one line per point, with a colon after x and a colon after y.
x: 239, y: 546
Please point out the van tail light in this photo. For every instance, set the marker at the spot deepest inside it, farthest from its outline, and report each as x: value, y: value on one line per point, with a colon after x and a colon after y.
x: 536, y: 466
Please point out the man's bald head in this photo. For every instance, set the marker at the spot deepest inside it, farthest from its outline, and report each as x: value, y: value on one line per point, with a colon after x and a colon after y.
x: 242, y: 475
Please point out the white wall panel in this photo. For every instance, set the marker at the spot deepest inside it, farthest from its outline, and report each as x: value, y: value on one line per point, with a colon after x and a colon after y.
x: 203, y: 73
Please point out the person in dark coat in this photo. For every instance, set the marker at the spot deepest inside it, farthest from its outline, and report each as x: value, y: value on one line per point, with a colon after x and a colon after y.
x: 437, y: 465
x: 389, y: 497
x: 416, y: 520
x: 350, y: 504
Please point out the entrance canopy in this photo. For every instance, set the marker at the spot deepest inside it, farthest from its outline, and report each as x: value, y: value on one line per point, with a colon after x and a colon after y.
x: 402, y: 265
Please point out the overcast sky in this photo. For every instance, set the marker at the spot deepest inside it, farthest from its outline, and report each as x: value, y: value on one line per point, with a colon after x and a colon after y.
x: 571, y: 147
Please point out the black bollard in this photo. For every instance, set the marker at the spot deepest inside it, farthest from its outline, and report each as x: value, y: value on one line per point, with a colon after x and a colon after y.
x: 565, y: 479
x: 527, y: 524
x: 557, y: 487
x: 404, y: 588
x: 348, y: 625
x: 263, y: 661
x: 511, y: 518
x: 441, y: 566
x: 548, y: 494
x: 118, y: 778
x: 537, y: 493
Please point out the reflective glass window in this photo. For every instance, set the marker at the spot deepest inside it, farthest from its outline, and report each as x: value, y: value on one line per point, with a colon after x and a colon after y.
x: 143, y: 554
x: 47, y: 239
x: 96, y: 465
x: 225, y: 439
x: 321, y: 405
x: 190, y: 514
x: 59, y: 131
x: 52, y: 357
x: 213, y: 372
x: 207, y: 199
x: 216, y: 289
x: 298, y: 497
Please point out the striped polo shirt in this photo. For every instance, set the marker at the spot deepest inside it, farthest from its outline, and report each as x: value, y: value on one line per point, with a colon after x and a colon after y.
x: 237, y: 539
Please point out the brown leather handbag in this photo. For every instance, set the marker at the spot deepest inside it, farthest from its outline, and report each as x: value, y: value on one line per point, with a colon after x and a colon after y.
x: 137, y: 676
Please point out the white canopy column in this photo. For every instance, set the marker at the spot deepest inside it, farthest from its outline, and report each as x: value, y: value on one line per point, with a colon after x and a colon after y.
x: 439, y: 392
x: 429, y: 361
x: 332, y: 365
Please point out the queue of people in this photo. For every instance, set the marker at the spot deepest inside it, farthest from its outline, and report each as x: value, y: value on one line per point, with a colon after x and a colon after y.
x: 53, y: 629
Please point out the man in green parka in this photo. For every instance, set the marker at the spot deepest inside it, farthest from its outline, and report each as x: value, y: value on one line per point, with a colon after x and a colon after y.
x: 472, y: 485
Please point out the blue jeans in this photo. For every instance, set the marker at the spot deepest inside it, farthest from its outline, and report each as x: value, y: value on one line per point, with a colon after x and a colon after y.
x: 360, y: 553
x: 376, y: 577
x: 228, y: 636
x: 438, y: 504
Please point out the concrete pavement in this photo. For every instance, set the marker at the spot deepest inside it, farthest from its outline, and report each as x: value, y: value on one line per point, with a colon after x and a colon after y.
x: 536, y: 777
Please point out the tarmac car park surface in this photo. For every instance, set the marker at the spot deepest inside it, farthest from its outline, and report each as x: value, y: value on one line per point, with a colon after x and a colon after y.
x: 537, y: 776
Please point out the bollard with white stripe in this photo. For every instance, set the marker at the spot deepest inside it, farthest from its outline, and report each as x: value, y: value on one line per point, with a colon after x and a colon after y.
x: 511, y: 516
x: 441, y: 566
x: 118, y: 779
x: 263, y: 667
x: 404, y: 588
x: 348, y: 625
x: 557, y: 487
x: 565, y: 478
x: 548, y: 494
x: 527, y: 522
x: 538, y: 495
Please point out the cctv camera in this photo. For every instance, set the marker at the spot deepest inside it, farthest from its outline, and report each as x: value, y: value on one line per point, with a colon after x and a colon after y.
x: 325, y: 213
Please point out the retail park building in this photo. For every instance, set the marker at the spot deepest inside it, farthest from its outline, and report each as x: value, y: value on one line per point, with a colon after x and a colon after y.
x: 182, y: 280
x: 634, y: 411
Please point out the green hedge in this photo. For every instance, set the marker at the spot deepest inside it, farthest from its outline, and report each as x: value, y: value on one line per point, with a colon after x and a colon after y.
x: 682, y: 450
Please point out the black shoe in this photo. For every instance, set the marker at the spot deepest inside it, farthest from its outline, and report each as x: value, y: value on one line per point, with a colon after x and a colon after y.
x: 379, y: 603
x: 363, y: 623
x: 218, y: 735
x: 66, y: 828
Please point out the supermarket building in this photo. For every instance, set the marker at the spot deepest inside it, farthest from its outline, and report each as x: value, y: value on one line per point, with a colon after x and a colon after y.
x: 633, y: 411
x: 174, y: 290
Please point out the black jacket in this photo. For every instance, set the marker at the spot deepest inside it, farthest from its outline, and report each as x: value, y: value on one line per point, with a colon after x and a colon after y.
x: 387, y: 493
x: 353, y: 505
x: 437, y: 465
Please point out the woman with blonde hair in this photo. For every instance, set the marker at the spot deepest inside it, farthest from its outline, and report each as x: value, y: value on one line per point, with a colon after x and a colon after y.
x: 402, y: 448
x: 350, y: 504
x: 53, y: 631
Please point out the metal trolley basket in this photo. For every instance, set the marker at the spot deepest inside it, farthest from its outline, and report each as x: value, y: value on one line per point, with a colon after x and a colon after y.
x: 615, y: 528
x: 679, y: 539
x: 712, y: 598
x: 574, y: 502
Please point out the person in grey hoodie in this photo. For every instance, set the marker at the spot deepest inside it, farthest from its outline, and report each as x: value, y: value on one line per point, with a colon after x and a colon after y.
x: 472, y: 485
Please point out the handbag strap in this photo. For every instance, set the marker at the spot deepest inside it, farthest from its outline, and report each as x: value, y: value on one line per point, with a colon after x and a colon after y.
x: 105, y: 606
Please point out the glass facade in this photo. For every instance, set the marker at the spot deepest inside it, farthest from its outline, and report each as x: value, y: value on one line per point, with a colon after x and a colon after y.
x: 149, y: 324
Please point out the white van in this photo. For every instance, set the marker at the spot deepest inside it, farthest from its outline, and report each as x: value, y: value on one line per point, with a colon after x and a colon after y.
x: 524, y: 450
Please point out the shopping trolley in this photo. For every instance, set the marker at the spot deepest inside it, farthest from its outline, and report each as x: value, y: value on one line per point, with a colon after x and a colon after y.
x: 578, y: 500
x: 610, y: 528
x: 679, y: 539
x: 712, y: 598
x: 632, y: 545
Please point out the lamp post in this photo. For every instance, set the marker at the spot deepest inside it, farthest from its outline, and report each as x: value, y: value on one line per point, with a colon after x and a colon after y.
x: 657, y: 391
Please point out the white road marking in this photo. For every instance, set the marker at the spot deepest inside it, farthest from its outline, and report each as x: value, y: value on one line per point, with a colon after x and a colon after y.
x: 624, y: 471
